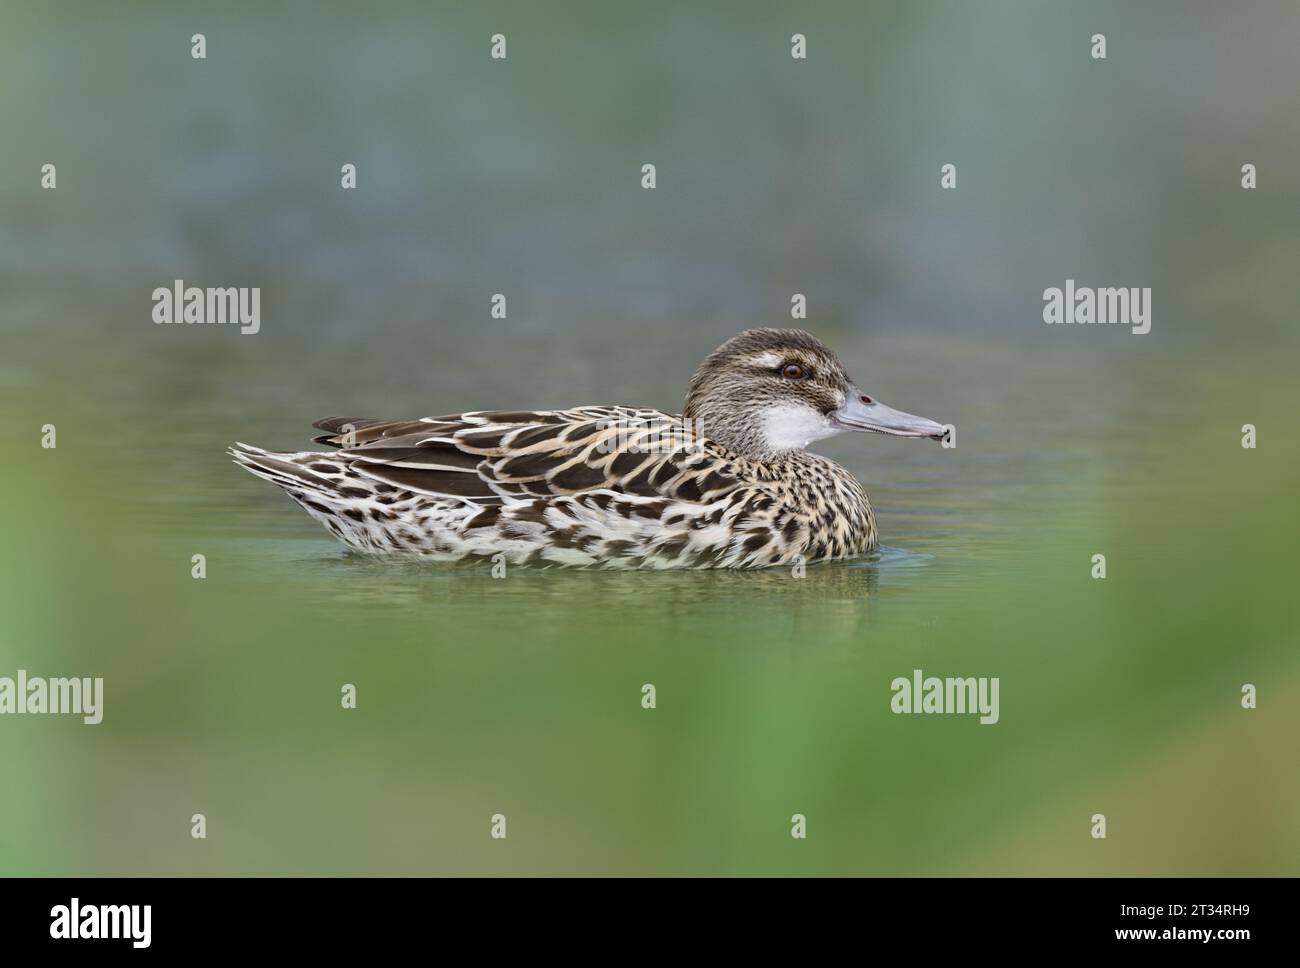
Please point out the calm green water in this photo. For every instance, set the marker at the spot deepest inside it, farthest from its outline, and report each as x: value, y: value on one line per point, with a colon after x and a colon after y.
x: 522, y: 696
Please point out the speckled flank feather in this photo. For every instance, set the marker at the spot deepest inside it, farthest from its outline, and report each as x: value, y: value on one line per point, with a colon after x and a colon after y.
x: 556, y: 487
x: 726, y: 485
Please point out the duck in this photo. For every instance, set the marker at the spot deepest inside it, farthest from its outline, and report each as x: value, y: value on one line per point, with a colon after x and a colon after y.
x: 727, y: 483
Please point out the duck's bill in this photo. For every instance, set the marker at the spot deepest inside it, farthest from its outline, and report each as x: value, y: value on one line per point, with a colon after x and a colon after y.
x: 876, y: 418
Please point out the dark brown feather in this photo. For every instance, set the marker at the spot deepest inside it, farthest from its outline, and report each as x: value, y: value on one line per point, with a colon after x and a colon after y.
x: 490, y: 454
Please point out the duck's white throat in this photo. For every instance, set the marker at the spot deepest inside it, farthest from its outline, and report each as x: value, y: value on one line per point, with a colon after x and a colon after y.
x: 793, y: 426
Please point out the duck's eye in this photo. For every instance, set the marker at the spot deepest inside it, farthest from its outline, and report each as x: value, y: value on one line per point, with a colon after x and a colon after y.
x: 792, y: 371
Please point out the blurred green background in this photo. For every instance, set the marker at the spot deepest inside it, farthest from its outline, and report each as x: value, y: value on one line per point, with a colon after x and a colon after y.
x: 521, y: 696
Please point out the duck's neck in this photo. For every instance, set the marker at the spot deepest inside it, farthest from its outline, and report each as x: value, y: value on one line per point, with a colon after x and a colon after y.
x: 770, y: 431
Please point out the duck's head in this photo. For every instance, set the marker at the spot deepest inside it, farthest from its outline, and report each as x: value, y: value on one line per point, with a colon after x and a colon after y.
x: 766, y: 391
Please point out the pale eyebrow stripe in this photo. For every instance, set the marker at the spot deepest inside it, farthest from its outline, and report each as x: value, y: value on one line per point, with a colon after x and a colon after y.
x: 767, y: 360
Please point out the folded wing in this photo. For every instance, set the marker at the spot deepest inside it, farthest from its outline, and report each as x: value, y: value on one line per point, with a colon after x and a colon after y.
x: 502, y: 456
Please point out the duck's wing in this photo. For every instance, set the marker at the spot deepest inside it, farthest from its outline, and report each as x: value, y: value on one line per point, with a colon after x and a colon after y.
x: 498, y: 456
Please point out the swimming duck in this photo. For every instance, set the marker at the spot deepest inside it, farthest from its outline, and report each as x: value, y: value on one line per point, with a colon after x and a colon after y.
x: 725, y: 484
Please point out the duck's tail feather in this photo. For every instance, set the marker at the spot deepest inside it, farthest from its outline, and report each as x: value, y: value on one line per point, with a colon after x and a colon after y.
x: 282, y: 469
x: 366, y: 514
x: 319, y: 490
